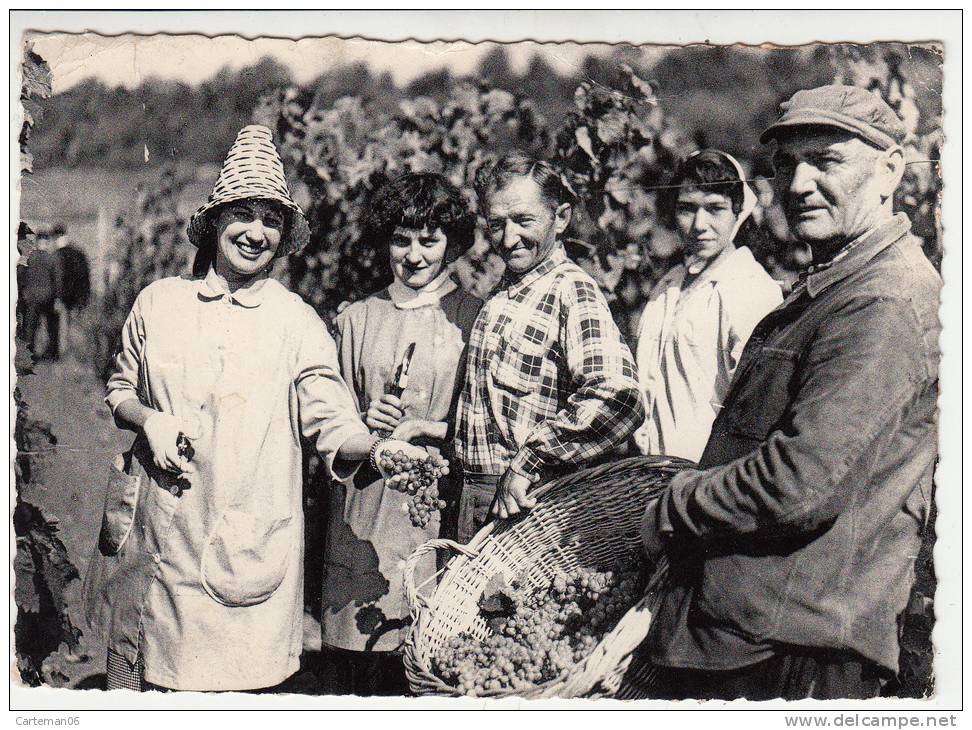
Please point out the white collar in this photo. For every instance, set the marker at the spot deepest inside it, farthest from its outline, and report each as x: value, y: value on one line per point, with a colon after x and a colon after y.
x: 405, y: 297
x: 214, y: 286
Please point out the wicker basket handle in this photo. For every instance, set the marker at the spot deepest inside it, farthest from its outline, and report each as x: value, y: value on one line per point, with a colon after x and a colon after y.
x: 412, y: 597
x: 610, y: 467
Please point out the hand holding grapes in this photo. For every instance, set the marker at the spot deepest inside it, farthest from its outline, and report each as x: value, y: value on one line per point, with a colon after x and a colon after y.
x: 411, y: 430
x: 392, y: 446
x: 415, y: 472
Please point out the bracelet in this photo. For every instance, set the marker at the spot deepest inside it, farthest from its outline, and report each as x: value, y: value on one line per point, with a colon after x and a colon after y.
x: 374, y: 452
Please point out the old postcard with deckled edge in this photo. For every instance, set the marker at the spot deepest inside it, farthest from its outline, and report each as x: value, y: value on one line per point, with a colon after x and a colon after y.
x: 124, y: 137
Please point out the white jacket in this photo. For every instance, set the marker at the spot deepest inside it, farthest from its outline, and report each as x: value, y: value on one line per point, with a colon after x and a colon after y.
x: 690, y: 340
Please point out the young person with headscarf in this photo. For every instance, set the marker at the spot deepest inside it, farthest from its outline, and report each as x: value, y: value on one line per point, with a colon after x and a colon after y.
x: 701, y: 313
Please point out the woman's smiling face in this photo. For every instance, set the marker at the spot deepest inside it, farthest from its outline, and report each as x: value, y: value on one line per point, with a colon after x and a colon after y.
x: 417, y: 255
x: 248, y: 234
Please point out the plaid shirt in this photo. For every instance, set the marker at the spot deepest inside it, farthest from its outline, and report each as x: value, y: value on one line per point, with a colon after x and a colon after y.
x: 549, y: 381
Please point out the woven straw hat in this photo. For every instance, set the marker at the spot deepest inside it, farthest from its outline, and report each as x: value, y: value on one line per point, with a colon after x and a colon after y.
x: 252, y: 170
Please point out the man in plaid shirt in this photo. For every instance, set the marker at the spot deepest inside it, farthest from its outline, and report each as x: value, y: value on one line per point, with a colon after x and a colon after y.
x: 549, y: 382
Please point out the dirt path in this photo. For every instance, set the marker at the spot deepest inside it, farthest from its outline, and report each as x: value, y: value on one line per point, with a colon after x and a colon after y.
x: 68, y: 483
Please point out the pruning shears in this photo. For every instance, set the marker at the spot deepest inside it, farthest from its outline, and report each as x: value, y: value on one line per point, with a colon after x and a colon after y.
x: 401, y: 378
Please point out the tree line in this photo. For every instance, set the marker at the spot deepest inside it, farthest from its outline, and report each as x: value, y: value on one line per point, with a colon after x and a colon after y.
x: 719, y: 96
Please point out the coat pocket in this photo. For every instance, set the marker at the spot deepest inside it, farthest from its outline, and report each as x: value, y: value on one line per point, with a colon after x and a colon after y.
x: 246, y: 557
x: 751, y: 608
x: 763, y: 394
x: 121, y: 497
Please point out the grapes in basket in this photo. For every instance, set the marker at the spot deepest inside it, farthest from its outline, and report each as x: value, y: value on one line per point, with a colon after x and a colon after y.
x: 418, y: 478
x: 538, y: 638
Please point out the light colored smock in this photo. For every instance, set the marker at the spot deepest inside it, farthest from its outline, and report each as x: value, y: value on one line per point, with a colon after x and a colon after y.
x: 206, y: 582
x: 691, y: 337
x: 369, y: 534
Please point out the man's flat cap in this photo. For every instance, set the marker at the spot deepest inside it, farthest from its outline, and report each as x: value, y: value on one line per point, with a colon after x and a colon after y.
x: 850, y: 108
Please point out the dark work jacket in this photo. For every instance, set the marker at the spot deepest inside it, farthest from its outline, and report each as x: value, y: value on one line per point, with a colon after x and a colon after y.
x: 39, y: 280
x: 803, y: 524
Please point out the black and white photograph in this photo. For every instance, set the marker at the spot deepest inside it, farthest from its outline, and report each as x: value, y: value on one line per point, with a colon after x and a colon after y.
x: 486, y: 360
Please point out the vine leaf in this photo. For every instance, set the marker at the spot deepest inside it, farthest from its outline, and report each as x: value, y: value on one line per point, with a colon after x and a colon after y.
x: 643, y: 88
x: 497, y: 598
x: 583, y: 137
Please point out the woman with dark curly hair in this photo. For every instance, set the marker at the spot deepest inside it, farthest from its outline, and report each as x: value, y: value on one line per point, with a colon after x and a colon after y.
x: 426, y: 225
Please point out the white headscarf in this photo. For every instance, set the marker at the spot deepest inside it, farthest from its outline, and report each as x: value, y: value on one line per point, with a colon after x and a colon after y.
x: 749, y: 197
x: 748, y: 206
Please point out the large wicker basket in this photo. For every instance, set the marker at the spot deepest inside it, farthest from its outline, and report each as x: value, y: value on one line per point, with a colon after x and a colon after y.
x: 587, y: 519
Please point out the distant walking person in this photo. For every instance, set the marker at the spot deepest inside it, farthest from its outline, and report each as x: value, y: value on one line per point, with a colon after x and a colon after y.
x: 701, y: 313
x: 75, y: 291
x: 39, y: 281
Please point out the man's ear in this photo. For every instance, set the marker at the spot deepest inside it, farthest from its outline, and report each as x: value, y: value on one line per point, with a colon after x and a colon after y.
x: 891, y: 165
x: 562, y: 217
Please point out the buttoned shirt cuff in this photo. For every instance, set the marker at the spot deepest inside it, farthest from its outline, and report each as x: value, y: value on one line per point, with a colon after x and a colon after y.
x: 526, y: 463
x: 341, y: 470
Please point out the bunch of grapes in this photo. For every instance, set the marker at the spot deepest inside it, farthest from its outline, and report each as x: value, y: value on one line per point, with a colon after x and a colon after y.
x: 418, y: 478
x: 544, y: 636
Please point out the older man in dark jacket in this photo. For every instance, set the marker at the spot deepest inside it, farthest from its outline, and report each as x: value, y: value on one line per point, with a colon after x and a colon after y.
x: 793, y: 546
